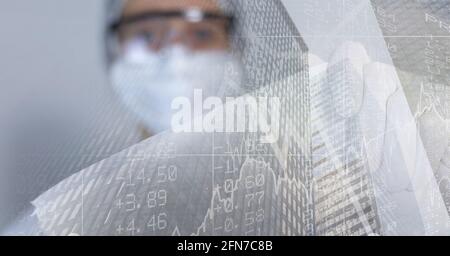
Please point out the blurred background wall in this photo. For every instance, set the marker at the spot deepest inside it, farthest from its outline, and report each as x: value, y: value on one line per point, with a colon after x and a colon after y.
x: 58, y: 113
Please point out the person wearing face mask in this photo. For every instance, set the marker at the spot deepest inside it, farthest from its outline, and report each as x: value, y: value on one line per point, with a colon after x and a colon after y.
x: 161, y: 50
x: 157, y: 51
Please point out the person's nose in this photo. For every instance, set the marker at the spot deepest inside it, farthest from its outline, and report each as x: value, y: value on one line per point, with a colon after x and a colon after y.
x: 176, y: 34
x: 175, y: 37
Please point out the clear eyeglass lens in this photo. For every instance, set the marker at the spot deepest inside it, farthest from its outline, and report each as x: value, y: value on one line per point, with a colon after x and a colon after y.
x: 158, y: 33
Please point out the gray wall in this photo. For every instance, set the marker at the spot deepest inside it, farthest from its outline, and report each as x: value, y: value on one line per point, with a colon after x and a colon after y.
x: 58, y: 112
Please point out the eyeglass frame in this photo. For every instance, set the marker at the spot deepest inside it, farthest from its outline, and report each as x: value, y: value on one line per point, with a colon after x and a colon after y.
x: 192, y: 15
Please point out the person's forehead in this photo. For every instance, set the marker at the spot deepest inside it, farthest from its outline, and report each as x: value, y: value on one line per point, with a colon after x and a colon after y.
x: 138, y: 6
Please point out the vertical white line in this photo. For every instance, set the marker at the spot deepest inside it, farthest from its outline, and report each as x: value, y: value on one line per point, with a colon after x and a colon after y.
x: 82, y: 204
x: 212, y: 185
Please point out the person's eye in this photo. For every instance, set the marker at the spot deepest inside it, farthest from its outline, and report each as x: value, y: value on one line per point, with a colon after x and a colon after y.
x: 203, y: 34
x: 148, y: 36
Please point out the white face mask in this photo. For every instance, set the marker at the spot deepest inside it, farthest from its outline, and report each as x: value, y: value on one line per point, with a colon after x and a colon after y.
x: 148, y: 82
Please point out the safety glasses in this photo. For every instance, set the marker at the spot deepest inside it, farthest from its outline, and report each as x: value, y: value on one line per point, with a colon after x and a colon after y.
x: 193, y: 28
